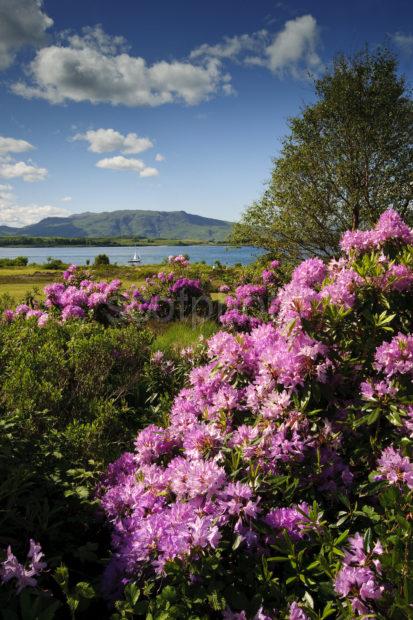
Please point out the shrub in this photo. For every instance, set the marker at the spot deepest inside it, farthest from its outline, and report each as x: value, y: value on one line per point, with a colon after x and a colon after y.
x: 55, y: 264
x: 101, y: 260
x: 164, y: 296
x: 61, y: 368
x: 281, y: 486
x: 73, y: 396
x: 19, y: 261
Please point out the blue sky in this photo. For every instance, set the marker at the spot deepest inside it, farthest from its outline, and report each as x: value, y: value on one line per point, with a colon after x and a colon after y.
x: 163, y: 105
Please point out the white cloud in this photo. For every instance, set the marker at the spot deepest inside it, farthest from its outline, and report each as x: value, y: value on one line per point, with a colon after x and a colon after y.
x: 127, y: 163
x: 6, y: 190
x: 159, y: 157
x: 403, y: 42
x: 149, y: 172
x: 22, y: 23
x: 292, y: 50
x: 14, y: 214
x: 11, y: 145
x: 95, y: 38
x: 10, y: 169
x: 233, y: 47
x: 66, y: 199
x: 94, y: 67
x: 121, y: 163
x: 104, y: 140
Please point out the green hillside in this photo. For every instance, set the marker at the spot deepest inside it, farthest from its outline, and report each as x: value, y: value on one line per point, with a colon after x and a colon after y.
x: 145, y: 224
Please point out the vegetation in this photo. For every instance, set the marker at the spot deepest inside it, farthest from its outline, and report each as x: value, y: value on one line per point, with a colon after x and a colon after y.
x: 347, y: 158
x: 19, y: 261
x: 73, y: 396
x: 20, y: 282
x: 266, y: 472
x: 101, y: 260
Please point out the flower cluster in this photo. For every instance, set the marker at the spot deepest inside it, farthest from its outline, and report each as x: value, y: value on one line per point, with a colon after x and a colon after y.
x: 23, y: 574
x: 395, y: 468
x: 166, y: 296
x: 248, y: 306
x: 179, y: 260
x: 314, y: 283
x: 78, y: 296
x: 182, y: 498
x: 396, y: 357
x: 359, y: 579
x: 390, y: 227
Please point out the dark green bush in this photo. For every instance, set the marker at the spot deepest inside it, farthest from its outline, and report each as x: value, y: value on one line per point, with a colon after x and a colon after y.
x: 72, y: 397
x: 19, y: 261
x: 55, y: 264
x: 61, y: 370
x: 101, y: 260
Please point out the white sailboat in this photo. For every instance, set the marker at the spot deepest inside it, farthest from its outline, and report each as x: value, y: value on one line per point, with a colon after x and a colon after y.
x: 135, y: 260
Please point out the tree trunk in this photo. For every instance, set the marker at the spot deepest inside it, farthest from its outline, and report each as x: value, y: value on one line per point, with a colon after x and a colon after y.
x: 356, y: 217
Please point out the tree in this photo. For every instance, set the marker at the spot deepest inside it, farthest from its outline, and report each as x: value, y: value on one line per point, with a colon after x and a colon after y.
x: 101, y: 260
x: 348, y: 157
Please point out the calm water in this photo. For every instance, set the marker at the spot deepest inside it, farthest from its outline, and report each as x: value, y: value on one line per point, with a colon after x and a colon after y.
x: 149, y: 255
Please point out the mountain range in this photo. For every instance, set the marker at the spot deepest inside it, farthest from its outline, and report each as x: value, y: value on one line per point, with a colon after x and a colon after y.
x: 127, y: 223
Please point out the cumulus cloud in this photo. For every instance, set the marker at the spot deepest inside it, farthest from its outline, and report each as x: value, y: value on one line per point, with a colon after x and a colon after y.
x: 127, y: 163
x: 10, y: 169
x: 94, y: 67
x: 403, y: 41
x: 105, y: 140
x: 292, y: 50
x: 14, y: 214
x: 159, y: 157
x: 66, y: 199
x: 22, y: 23
x: 11, y: 145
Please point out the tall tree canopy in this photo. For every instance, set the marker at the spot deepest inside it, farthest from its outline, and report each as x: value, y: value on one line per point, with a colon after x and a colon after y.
x: 348, y: 157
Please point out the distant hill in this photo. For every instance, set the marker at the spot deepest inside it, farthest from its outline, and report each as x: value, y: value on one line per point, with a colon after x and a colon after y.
x: 145, y: 224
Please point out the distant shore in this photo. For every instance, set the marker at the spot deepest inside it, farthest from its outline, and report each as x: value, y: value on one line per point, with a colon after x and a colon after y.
x: 50, y: 242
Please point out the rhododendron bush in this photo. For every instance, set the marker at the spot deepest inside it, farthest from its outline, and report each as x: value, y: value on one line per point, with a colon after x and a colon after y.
x: 165, y: 295
x: 282, y: 485
x: 250, y: 303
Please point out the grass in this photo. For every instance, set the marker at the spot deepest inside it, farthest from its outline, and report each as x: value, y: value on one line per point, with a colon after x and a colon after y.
x: 177, y: 336
x: 20, y: 290
x: 19, y: 281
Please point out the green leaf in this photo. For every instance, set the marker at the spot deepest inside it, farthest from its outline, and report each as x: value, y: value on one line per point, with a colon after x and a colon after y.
x: 84, y: 590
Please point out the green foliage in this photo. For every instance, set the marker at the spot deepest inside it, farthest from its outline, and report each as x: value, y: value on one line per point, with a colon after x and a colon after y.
x: 73, y: 396
x: 62, y: 370
x: 101, y: 260
x: 19, y: 261
x: 55, y: 264
x: 347, y: 158
x: 70, y: 402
